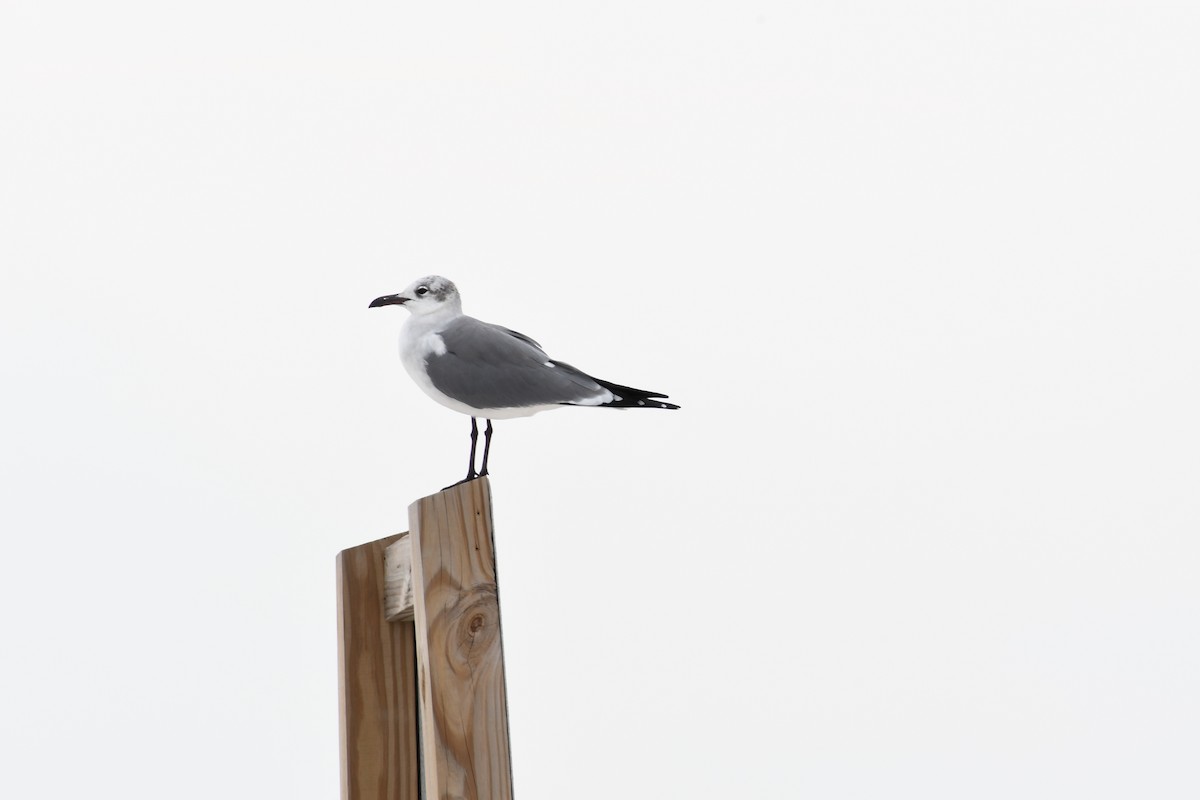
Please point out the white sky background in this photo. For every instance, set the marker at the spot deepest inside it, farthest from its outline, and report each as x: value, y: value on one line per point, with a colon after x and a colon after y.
x: 923, y: 276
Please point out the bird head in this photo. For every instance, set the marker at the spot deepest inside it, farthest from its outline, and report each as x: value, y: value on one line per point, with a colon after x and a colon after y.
x: 425, y: 296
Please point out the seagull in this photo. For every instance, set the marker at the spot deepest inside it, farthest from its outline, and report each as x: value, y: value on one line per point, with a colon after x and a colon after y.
x: 483, y: 370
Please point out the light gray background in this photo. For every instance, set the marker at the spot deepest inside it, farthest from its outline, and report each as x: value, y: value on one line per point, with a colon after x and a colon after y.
x: 922, y: 275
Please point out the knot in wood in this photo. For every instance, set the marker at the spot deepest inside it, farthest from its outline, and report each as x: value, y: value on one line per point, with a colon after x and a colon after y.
x: 476, y: 631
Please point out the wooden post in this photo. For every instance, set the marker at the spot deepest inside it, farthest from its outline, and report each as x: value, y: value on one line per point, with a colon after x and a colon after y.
x: 464, y: 706
x: 419, y: 613
x: 377, y: 698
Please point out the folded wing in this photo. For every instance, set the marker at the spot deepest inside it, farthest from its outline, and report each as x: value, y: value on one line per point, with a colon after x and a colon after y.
x: 487, y: 366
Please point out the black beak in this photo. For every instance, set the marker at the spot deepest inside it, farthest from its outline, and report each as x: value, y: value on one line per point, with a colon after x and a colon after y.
x: 388, y: 300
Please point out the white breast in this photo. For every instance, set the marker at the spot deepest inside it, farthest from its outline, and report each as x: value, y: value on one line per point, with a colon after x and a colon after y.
x: 417, y: 344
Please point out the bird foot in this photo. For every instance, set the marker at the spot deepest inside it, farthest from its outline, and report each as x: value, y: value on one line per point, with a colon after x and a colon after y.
x: 467, y: 479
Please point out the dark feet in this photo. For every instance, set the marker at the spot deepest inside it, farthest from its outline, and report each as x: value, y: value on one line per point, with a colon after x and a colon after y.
x: 467, y: 479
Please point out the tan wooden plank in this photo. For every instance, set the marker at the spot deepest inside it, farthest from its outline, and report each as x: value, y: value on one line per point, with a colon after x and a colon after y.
x: 397, y: 580
x: 377, y: 683
x: 464, y: 713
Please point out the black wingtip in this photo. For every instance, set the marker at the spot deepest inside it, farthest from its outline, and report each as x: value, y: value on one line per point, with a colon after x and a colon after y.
x: 628, y: 397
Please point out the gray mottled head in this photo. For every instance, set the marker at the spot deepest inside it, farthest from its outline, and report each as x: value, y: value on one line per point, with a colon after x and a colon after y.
x: 425, y: 296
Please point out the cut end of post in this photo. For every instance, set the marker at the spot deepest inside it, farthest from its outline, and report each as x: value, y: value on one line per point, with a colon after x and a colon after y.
x: 397, y: 580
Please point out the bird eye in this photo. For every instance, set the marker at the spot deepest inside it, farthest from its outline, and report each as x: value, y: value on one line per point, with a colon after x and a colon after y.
x: 422, y: 290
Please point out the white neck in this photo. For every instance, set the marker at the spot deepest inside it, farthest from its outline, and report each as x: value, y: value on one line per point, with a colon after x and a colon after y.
x: 419, y: 324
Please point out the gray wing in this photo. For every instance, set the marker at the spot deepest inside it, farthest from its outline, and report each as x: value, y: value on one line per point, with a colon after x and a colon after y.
x: 487, y: 366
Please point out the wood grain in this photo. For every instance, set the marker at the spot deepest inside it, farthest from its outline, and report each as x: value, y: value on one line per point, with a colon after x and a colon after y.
x: 377, y: 696
x: 464, y: 712
x: 397, y: 580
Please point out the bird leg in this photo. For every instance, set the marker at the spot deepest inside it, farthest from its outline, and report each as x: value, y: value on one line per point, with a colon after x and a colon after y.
x: 471, y: 474
x: 487, y: 445
x: 474, y: 438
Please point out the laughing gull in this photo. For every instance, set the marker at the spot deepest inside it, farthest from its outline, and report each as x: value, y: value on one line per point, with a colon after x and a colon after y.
x: 483, y: 370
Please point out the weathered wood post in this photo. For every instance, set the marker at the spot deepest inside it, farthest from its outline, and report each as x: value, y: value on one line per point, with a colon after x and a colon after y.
x: 377, y: 682
x: 420, y: 649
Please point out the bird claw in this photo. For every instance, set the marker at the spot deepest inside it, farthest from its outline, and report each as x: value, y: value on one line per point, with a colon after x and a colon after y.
x: 467, y: 479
